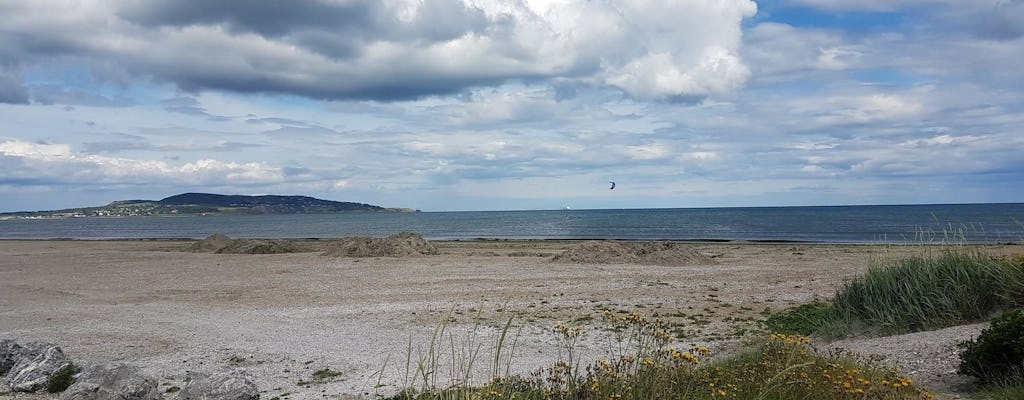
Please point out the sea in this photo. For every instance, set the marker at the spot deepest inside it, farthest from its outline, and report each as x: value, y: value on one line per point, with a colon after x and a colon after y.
x: 879, y: 224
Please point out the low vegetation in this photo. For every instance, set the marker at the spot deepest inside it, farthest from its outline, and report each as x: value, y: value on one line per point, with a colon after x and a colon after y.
x: 913, y: 294
x: 997, y: 355
x: 62, y: 379
x: 653, y: 365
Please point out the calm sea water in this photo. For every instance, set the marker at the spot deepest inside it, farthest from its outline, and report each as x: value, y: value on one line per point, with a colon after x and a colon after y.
x: 971, y: 223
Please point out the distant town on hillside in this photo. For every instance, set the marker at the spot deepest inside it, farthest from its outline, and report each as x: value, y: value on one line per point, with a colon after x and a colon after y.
x: 210, y: 204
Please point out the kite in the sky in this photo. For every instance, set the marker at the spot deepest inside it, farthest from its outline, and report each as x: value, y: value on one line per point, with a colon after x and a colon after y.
x: 613, y: 185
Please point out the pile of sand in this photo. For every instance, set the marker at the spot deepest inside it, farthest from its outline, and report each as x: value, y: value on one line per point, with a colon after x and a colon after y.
x: 212, y: 243
x: 222, y: 244
x: 404, y: 244
x: 644, y: 253
x: 243, y: 246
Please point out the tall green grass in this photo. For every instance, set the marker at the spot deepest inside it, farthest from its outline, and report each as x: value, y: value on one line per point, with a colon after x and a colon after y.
x: 913, y: 294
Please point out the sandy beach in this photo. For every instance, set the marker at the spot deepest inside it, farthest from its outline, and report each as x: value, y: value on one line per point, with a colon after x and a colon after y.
x: 169, y: 310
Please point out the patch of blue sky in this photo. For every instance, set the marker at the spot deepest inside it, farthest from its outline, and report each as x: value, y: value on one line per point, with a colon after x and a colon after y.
x: 802, y: 16
x: 786, y: 88
x: 85, y: 82
x: 888, y: 77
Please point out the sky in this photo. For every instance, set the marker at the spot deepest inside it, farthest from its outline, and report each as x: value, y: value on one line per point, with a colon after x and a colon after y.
x: 447, y: 105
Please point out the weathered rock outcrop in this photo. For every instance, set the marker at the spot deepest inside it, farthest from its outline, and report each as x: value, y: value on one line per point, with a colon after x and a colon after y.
x: 37, y: 363
x: 9, y: 354
x: 112, y: 382
x: 226, y: 384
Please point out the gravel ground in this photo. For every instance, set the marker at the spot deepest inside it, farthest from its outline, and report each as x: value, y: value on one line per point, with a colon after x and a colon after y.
x: 284, y: 316
x: 929, y: 358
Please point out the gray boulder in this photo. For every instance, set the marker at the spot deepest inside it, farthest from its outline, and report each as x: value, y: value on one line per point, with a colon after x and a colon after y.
x: 112, y: 382
x: 10, y: 352
x: 226, y: 384
x: 36, y: 364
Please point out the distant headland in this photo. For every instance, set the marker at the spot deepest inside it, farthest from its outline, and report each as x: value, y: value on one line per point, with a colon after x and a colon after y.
x: 210, y: 204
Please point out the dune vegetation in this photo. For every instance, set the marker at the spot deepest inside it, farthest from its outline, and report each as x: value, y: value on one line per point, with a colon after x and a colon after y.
x: 905, y: 295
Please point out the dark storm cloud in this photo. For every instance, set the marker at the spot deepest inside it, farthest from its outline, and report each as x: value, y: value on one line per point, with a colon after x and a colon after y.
x: 439, y: 19
x: 377, y: 50
x: 266, y: 17
x: 390, y: 83
x: 332, y: 27
x: 304, y: 48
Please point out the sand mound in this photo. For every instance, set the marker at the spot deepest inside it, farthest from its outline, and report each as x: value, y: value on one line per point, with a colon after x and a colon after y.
x: 644, y: 253
x: 241, y: 246
x: 221, y: 244
x: 404, y: 244
x: 213, y: 242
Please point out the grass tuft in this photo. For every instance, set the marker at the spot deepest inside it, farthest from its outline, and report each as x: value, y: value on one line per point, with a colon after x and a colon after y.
x: 913, y: 294
x: 802, y: 320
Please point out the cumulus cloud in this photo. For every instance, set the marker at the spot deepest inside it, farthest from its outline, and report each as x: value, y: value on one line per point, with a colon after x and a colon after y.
x: 393, y: 49
x: 56, y: 162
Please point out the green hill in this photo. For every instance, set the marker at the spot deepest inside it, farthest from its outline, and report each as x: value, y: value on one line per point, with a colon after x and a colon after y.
x: 207, y: 204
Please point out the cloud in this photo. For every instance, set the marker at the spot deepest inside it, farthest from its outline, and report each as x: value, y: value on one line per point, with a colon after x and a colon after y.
x: 1005, y: 21
x: 391, y: 50
x: 648, y: 152
x: 57, y: 163
x: 11, y: 89
x: 778, y: 51
x: 186, y: 105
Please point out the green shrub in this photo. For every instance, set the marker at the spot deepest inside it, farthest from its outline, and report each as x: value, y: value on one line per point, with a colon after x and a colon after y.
x: 62, y: 379
x: 997, y: 356
x: 804, y: 320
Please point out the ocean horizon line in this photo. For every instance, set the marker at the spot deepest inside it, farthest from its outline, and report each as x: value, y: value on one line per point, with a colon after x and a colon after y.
x: 904, y: 223
x: 730, y: 207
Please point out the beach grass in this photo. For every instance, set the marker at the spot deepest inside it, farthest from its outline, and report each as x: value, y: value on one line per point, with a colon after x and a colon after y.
x: 653, y: 365
x: 913, y: 294
x: 943, y: 288
x: 1001, y: 392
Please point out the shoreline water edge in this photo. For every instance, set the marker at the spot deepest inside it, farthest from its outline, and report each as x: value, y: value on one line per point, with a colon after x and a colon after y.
x: 932, y: 224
